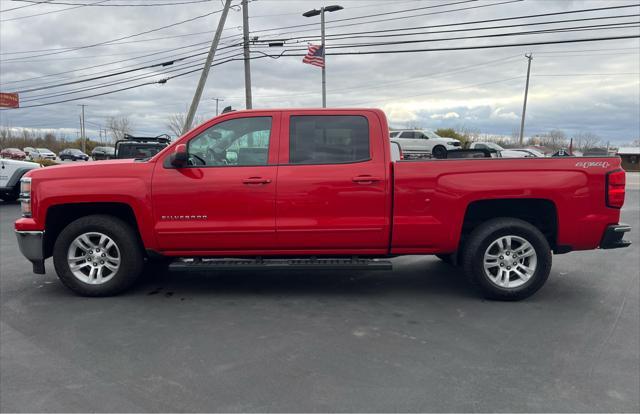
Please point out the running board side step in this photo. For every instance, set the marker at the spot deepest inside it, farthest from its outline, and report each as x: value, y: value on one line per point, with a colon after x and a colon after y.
x: 266, y: 264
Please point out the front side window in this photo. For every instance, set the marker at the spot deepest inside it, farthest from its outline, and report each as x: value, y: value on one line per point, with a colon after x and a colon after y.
x: 236, y: 142
x: 328, y: 139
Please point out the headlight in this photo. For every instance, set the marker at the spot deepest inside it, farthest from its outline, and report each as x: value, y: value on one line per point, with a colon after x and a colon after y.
x: 25, y: 196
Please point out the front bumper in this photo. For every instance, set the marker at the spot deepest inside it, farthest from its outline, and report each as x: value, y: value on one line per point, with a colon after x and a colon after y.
x: 31, y: 245
x: 612, y: 238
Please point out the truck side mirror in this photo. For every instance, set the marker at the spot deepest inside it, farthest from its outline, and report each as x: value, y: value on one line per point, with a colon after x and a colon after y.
x: 180, y: 156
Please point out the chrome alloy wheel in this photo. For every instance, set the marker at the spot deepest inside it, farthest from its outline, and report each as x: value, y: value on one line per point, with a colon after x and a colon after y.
x: 510, y: 261
x: 93, y: 258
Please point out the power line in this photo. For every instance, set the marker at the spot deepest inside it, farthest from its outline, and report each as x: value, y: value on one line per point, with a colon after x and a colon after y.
x: 22, y: 7
x: 345, y: 36
x: 49, y: 12
x: 331, y: 25
x: 174, y: 3
x: 467, y: 22
x: 342, y: 36
x: 165, y: 80
x: 129, y: 36
x: 338, y: 46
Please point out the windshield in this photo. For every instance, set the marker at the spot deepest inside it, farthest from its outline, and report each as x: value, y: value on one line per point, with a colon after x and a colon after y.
x: 138, y: 150
x: 43, y: 150
x: 431, y: 134
x: 494, y: 146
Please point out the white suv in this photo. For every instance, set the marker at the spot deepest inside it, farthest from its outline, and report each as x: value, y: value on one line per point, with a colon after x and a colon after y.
x: 416, y: 143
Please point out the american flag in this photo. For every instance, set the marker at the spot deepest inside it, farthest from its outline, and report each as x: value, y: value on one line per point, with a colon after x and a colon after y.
x: 315, y: 56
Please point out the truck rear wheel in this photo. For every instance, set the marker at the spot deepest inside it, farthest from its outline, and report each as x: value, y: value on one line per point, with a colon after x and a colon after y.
x: 98, y: 255
x: 508, y: 259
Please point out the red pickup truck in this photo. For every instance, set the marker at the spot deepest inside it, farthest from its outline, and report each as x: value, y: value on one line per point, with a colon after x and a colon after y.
x: 309, y: 188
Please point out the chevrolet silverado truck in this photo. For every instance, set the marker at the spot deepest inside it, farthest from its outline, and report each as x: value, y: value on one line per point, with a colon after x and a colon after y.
x: 314, y: 188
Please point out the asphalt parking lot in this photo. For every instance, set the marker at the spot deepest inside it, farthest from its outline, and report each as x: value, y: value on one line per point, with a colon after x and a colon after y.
x: 415, y: 339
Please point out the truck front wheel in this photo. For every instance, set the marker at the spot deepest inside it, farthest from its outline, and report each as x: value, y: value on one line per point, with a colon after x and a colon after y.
x: 508, y: 259
x: 98, y: 255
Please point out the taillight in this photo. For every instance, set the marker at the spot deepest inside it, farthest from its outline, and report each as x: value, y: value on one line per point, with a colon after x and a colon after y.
x: 615, y: 188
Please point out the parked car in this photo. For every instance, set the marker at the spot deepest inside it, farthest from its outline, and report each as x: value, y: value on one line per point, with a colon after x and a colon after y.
x: 11, y: 171
x: 140, y: 147
x: 504, y: 153
x: 241, y: 192
x: 13, y: 153
x: 42, y: 154
x: 396, y: 152
x: 28, y: 151
x: 416, y: 143
x: 529, y: 151
x: 73, y: 155
x: 103, y: 153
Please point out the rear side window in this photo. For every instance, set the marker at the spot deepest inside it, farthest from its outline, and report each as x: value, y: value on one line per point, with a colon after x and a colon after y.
x: 328, y: 139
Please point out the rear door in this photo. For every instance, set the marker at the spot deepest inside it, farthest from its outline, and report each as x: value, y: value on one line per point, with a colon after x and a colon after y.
x: 332, y: 194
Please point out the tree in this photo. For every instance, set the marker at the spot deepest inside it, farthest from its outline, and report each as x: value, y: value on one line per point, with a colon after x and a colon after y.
x: 118, y: 126
x: 464, y: 135
x: 554, y: 139
x: 586, y: 140
x: 176, y: 121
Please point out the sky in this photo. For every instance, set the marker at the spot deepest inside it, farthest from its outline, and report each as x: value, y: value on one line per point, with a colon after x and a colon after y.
x: 576, y: 87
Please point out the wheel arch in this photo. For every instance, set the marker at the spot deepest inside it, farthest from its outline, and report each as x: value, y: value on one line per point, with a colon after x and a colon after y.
x: 539, y: 212
x: 60, y: 216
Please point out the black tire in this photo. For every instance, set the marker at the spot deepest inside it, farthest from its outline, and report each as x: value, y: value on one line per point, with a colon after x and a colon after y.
x: 10, y: 196
x: 439, y: 152
x: 448, y: 258
x: 131, y: 255
x: 480, y: 240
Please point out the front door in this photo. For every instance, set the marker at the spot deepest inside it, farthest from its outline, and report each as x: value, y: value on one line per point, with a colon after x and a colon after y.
x: 332, y: 184
x: 224, y: 199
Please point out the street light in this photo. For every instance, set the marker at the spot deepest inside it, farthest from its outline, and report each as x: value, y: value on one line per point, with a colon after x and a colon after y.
x: 320, y: 12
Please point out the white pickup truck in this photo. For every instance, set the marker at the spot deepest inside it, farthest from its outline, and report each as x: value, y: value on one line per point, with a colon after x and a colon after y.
x: 417, y: 143
x: 11, y: 171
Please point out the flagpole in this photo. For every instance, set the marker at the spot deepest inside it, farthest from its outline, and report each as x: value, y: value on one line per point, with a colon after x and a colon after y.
x: 321, y: 12
x: 324, y: 55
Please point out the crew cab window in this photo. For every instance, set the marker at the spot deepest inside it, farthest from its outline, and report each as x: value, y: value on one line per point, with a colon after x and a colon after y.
x: 328, y: 139
x: 236, y: 142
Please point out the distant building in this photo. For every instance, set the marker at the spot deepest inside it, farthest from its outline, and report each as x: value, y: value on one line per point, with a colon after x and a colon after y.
x: 630, y: 158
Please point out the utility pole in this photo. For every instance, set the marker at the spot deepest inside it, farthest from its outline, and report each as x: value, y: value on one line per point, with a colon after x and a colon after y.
x: 247, y: 61
x: 83, y: 135
x: 324, y: 64
x: 529, y: 57
x: 217, y: 101
x: 207, y: 66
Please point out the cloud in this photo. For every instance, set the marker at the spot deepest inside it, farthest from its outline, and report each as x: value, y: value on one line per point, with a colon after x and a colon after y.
x: 575, y: 87
x: 448, y: 115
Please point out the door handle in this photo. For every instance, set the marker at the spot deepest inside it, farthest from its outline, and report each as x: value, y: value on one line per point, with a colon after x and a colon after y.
x: 256, y: 180
x: 365, y: 179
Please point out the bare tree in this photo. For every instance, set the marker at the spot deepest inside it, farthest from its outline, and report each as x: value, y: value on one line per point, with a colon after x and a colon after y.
x: 175, y: 123
x: 118, y: 126
x: 586, y: 140
x: 554, y: 139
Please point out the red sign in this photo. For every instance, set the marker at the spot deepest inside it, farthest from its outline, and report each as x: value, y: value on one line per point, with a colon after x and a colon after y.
x: 9, y: 100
